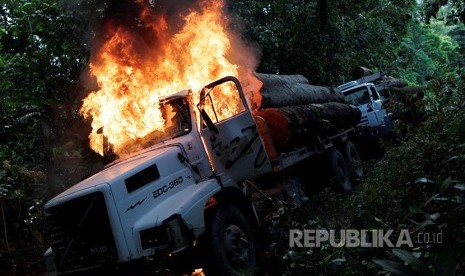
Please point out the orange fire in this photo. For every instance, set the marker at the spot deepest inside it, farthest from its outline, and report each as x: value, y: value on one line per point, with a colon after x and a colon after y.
x: 134, y: 74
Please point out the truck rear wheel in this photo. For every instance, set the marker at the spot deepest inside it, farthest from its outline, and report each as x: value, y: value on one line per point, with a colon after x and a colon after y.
x: 339, y: 172
x: 354, y: 162
x: 231, y: 242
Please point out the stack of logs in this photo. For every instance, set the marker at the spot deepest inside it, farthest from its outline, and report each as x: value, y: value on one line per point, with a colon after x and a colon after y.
x: 296, y: 112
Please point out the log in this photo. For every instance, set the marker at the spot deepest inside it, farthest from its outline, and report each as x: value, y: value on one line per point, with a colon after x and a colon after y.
x: 339, y: 115
x: 295, y: 125
x: 278, y: 126
x: 393, y: 82
x: 360, y: 72
x: 409, y: 95
x: 273, y: 91
x: 419, y: 91
x: 406, y: 104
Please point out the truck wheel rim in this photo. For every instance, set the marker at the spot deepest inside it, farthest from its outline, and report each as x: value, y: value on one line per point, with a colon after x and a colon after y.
x: 236, y: 245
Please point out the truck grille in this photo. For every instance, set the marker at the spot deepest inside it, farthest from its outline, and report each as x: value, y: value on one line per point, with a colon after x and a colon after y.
x: 80, y: 232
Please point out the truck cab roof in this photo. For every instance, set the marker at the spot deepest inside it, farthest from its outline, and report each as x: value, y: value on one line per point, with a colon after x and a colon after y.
x: 111, y: 174
x: 348, y: 88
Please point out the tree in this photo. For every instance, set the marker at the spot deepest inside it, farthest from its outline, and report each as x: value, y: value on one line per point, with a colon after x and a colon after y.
x: 42, y: 53
x: 324, y: 40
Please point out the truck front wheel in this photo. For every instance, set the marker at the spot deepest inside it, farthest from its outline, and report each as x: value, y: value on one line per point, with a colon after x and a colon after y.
x: 339, y: 172
x: 231, y: 242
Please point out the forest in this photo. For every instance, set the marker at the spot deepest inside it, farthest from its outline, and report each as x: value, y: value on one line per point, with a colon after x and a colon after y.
x: 45, y: 50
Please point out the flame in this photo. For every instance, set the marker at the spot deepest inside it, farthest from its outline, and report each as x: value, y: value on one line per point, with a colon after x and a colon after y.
x: 134, y: 72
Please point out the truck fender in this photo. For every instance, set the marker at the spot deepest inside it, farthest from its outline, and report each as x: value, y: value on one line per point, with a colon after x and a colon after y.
x: 238, y: 198
x: 189, y: 203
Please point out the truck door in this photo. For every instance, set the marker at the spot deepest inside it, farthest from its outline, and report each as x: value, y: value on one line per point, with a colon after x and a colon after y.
x: 229, y: 131
x: 377, y: 103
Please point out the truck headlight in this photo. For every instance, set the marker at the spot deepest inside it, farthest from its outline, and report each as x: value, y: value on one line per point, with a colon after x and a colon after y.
x: 173, y: 235
x: 155, y: 237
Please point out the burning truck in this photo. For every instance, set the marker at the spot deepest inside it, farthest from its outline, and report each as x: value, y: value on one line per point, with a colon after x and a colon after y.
x: 190, y: 161
x: 193, y: 181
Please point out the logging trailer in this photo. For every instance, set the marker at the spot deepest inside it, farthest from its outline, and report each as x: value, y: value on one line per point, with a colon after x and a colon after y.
x: 191, y: 187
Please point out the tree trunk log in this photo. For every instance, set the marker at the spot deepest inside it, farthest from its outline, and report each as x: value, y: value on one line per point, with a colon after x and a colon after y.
x: 295, y: 125
x: 286, y: 90
x: 407, y: 94
x: 360, y: 72
x: 390, y: 82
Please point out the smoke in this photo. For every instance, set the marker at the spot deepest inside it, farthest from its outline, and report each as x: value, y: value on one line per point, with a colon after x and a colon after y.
x: 104, y: 17
x: 243, y: 53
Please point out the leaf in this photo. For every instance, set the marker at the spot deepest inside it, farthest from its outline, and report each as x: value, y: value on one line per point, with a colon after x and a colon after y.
x: 442, y: 199
x: 453, y: 158
x: 394, y: 267
x: 445, y: 184
x: 459, y: 186
x: 424, y: 180
x: 380, y: 221
x: 430, y: 199
x: 435, y: 216
x: 339, y: 261
x: 415, y: 263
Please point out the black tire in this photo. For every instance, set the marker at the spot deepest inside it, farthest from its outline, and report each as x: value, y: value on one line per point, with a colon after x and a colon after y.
x: 353, y: 160
x: 231, y: 242
x: 339, y: 173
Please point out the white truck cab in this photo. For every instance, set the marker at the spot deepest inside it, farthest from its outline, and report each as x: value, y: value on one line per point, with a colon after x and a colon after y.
x: 375, y: 120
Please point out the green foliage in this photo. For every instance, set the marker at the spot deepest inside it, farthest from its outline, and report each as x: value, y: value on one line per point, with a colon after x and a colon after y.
x: 426, y: 53
x: 451, y: 12
x: 321, y: 39
x: 42, y: 54
x: 418, y: 185
x: 21, y: 216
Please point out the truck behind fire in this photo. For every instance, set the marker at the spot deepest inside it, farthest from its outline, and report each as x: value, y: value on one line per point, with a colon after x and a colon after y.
x: 193, y: 182
x: 375, y: 122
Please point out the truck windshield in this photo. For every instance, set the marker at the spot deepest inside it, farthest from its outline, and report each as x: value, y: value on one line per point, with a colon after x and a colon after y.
x: 357, y: 96
x: 177, y: 118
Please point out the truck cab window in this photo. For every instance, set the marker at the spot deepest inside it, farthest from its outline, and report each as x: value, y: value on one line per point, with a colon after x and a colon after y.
x: 223, y: 102
x: 177, y: 117
x: 176, y: 114
x: 357, y: 96
x: 365, y: 98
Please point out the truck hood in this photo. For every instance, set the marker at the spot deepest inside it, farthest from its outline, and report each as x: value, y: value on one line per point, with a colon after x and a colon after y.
x: 120, y: 170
